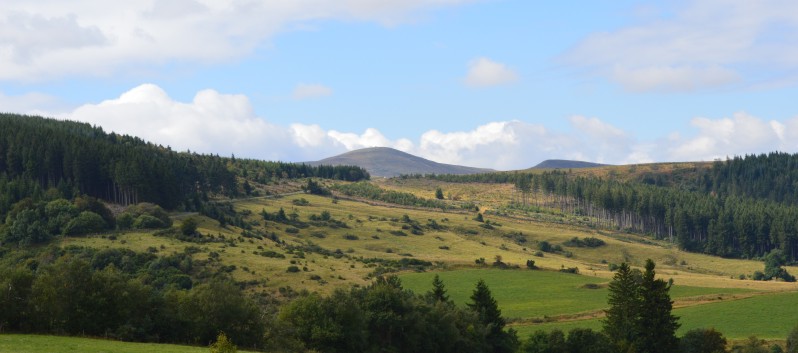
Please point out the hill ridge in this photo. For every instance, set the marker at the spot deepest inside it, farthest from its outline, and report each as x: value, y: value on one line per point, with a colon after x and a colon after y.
x: 390, y: 162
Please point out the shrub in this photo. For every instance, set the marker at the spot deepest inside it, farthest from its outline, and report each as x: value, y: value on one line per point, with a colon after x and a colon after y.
x: 189, y: 226
x: 124, y: 220
x: 86, y: 222
x: 544, y: 246
x: 147, y: 221
x: 292, y: 269
x: 351, y: 237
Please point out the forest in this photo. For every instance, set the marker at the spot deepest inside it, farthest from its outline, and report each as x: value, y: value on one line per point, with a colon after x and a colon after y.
x: 72, y: 159
x: 729, y: 210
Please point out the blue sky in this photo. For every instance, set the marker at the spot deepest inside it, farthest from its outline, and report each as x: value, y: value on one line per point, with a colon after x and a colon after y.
x: 501, y: 84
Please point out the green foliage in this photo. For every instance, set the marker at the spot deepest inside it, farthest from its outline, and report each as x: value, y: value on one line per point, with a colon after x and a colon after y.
x: 189, y: 226
x: 792, y: 341
x: 438, y: 292
x: 702, y: 341
x: 26, y: 227
x: 587, y: 242
x: 382, y: 317
x: 439, y: 193
x: 223, y: 345
x: 489, y: 314
x: 773, y: 262
x: 146, y: 221
x: 752, y: 345
x: 640, y: 316
x: 314, y: 188
x: 85, y: 223
x: 750, y: 219
x: 578, y: 341
x: 374, y: 192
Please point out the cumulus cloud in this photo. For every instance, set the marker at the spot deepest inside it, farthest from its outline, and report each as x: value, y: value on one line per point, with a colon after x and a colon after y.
x: 483, y: 72
x: 704, y: 44
x: 311, y: 90
x: 727, y: 137
x: 226, y: 124
x: 49, y: 39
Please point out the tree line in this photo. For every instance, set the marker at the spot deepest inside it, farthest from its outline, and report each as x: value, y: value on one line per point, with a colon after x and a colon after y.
x: 38, y: 154
x: 718, y: 223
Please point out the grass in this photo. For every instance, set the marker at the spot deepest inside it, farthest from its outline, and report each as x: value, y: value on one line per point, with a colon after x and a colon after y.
x: 525, y: 294
x: 769, y: 316
x: 13, y: 343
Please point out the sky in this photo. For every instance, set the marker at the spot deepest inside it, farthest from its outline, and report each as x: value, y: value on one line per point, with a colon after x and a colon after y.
x: 501, y: 84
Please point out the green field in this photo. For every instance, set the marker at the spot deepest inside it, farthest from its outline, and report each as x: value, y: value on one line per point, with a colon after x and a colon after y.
x: 769, y: 316
x: 525, y: 294
x: 56, y: 344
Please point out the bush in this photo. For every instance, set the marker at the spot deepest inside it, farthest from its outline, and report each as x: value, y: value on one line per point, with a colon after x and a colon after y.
x: 292, y: 269
x: 86, y: 222
x: 702, y: 340
x: 223, y: 345
x: 189, y: 226
x: 146, y: 221
x: 124, y: 220
x: 544, y: 246
x: 351, y: 237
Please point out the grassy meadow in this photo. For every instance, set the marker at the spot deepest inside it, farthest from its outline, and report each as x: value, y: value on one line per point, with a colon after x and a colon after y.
x: 12, y: 343
x: 708, y: 290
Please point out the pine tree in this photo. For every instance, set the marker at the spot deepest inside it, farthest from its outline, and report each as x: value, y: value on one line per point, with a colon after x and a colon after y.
x: 624, y: 301
x: 438, y: 292
x: 439, y: 193
x: 656, y: 326
x: 487, y: 309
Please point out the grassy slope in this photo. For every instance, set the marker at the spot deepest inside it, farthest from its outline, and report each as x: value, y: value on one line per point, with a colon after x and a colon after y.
x: 10, y: 343
x: 765, y: 316
x: 539, y: 294
x: 516, y: 290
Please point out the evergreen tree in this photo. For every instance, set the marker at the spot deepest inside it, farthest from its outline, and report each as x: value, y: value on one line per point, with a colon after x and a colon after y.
x: 439, y: 193
x: 620, y: 322
x: 656, y: 326
x: 438, y: 292
x: 487, y: 309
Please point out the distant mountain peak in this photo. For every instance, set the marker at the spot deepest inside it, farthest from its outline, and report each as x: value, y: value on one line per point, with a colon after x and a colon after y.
x: 566, y: 164
x: 389, y: 162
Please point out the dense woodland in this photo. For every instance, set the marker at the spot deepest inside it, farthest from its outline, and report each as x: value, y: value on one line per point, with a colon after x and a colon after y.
x: 39, y: 154
x: 730, y: 210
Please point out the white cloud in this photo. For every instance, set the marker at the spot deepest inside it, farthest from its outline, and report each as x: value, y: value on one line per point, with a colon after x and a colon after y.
x: 225, y: 124
x: 727, y: 137
x: 311, y: 90
x: 32, y: 103
x: 48, y: 39
x: 483, y: 72
x: 704, y: 44
x: 672, y: 79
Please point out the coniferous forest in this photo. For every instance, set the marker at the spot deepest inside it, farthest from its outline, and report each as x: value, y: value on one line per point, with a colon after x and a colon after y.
x: 741, y: 208
x: 38, y: 154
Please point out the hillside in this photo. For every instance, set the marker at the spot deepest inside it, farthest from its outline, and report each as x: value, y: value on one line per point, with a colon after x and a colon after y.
x: 388, y: 162
x: 566, y: 164
x: 277, y: 239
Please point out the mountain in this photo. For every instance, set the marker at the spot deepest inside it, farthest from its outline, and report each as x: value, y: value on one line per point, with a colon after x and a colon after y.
x: 565, y: 164
x: 388, y: 162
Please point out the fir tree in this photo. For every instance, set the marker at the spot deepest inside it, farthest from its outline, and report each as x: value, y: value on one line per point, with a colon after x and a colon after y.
x: 438, y: 292
x: 619, y: 324
x: 656, y: 326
